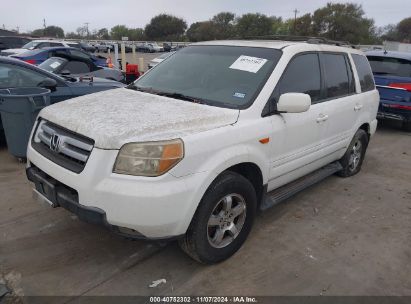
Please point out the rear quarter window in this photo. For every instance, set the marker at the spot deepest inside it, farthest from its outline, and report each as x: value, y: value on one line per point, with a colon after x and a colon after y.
x: 364, y: 72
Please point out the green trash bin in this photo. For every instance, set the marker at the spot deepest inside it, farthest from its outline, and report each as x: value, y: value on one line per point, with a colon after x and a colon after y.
x: 19, y: 108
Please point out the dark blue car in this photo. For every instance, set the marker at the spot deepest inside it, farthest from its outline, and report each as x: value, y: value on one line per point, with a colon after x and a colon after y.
x: 16, y: 73
x: 392, y: 74
x: 40, y: 55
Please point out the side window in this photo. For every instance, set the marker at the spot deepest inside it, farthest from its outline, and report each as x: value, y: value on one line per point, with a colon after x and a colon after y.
x: 13, y: 76
x: 77, y: 67
x: 302, y: 76
x: 42, y: 45
x: 79, y: 54
x: 336, y: 75
x: 364, y: 72
x: 55, y: 44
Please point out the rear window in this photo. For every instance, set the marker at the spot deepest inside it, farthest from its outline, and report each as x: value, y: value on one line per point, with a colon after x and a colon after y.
x: 336, y: 75
x: 390, y: 66
x: 364, y: 72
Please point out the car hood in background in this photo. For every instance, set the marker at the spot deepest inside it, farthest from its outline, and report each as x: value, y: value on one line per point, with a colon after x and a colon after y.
x: 116, y: 117
x: 9, y: 52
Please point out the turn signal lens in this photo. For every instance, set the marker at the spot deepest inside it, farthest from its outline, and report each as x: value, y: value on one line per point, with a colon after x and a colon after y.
x: 149, y: 158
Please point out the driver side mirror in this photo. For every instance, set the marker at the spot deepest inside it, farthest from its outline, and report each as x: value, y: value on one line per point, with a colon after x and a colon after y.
x: 48, y: 83
x: 294, y: 103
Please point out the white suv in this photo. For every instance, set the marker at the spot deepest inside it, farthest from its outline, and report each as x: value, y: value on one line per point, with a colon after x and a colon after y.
x: 196, y: 146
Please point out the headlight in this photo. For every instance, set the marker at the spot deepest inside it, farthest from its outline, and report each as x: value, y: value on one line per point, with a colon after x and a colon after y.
x: 149, y: 158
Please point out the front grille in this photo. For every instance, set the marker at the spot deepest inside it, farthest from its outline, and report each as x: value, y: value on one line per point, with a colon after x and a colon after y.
x: 66, y: 148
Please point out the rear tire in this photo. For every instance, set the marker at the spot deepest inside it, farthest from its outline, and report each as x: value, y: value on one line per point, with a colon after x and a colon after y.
x: 354, y: 156
x: 222, y: 221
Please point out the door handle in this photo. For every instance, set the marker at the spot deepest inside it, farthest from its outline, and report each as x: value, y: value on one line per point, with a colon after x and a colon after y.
x: 357, y: 107
x: 322, y: 118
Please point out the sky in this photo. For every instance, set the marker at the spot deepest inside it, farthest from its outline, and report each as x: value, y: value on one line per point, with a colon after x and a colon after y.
x: 70, y: 14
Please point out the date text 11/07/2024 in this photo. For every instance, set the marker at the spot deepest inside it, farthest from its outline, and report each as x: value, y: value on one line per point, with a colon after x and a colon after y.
x: 204, y: 299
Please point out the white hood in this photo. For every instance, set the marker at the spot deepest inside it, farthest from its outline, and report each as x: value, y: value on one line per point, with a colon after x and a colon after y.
x: 115, y: 117
x: 15, y: 51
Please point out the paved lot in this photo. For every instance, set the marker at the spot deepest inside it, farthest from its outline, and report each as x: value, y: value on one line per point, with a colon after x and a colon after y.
x: 340, y: 237
x: 129, y: 57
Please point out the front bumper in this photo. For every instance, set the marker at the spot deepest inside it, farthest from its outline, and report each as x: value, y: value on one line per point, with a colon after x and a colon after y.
x: 151, y: 208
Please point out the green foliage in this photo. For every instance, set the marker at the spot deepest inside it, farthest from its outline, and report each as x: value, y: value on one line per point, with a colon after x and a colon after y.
x: 165, y: 27
x: 404, y: 30
x: 103, y: 34
x: 223, y: 25
x: 253, y: 25
x: 119, y: 31
x: 202, y: 31
x: 345, y: 22
x: 50, y: 31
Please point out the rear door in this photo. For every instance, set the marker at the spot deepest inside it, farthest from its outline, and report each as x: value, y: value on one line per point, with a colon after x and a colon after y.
x: 341, y: 104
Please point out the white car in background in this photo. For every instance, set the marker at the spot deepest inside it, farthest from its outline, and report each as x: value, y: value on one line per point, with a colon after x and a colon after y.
x: 38, y: 44
x: 159, y: 59
x: 193, y: 148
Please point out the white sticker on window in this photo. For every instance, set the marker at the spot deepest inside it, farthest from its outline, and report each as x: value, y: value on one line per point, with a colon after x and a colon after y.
x: 55, y: 64
x: 248, y: 64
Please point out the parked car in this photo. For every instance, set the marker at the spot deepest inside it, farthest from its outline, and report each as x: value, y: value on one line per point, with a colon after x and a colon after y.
x: 194, y: 147
x: 159, y: 59
x: 12, y: 42
x: 149, y: 47
x: 392, y: 74
x: 38, y: 56
x: 103, y: 47
x: 16, y: 74
x: 87, y: 47
x: 34, y: 45
x: 80, y: 67
x: 167, y: 46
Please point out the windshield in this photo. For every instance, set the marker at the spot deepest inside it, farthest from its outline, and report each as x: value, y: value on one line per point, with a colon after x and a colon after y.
x: 225, y: 76
x: 30, y: 45
x: 390, y: 66
x: 52, y: 64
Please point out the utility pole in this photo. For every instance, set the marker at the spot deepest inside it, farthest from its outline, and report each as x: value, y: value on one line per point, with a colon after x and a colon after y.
x: 87, y: 23
x: 44, y: 23
x: 295, y: 20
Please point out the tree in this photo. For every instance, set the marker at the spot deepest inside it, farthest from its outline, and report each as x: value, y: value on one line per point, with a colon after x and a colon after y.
x: 119, y: 31
x: 165, y: 27
x: 136, y: 34
x: 50, y: 31
x: 345, y: 22
x: 223, y: 25
x: 404, y: 30
x: 253, y: 25
x: 303, y: 26
x: 103, y: 34
x: 38, y: 33
x: 202, y: 31
x: 81, y: 31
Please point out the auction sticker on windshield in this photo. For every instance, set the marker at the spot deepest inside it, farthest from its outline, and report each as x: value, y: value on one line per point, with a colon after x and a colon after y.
x: 248, y: 64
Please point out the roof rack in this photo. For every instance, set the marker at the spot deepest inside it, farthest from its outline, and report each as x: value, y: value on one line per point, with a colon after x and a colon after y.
x: 308, y: 39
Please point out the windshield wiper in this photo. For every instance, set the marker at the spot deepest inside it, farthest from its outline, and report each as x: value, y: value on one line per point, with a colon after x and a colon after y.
x: 166, y: 94
x: 179, y: 96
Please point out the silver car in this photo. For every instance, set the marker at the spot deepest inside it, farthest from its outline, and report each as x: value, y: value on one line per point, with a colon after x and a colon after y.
x: 159, y: 59
x: 80, y: 67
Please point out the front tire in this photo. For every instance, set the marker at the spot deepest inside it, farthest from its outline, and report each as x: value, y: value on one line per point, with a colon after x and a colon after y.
x: 223, y: 219
x: 354, y: 156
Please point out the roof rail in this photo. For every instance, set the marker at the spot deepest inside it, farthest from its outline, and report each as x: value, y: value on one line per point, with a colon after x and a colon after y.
x: 308, y: 39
